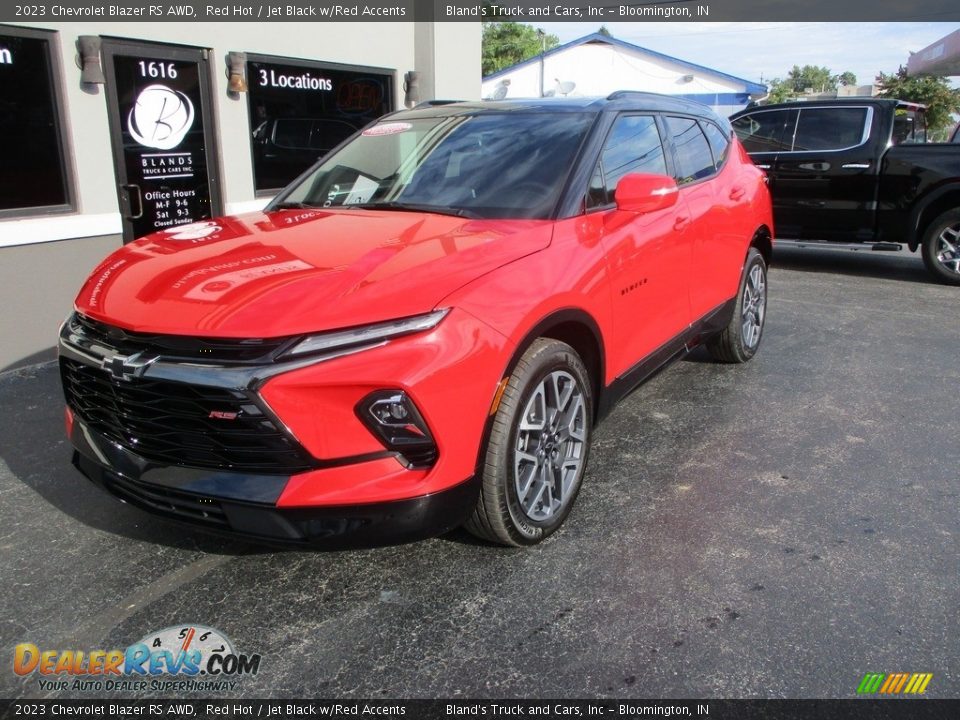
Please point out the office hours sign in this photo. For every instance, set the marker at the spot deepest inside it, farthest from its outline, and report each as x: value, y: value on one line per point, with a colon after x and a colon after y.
x: 164, y: 168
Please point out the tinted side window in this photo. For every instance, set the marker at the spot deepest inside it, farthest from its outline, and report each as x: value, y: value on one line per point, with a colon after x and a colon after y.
x: 633, y: 146
x: 764, y: 131
x: 829, y: 128
x: 597, y: 192
x: 908, y: 127
x: 694, y: 159
x: 719, y: 143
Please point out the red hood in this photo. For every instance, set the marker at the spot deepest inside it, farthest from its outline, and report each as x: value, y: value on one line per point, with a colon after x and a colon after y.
x: 298, y: 271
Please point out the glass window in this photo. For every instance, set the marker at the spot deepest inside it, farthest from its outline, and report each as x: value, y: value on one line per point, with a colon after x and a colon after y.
x: 719, y: 143
x: 909, y: 127
x: 32, y: 171
x: 299, y: 112
x: 763, y: 131
x: 829, y: 128
x: 597, y: 192
x: 694, y: 159
x: 633, y: 146
x: 490, y: 165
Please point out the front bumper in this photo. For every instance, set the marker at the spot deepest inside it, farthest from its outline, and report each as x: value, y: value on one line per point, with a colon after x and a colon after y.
x: 332, y: 477
x: 244, y: 504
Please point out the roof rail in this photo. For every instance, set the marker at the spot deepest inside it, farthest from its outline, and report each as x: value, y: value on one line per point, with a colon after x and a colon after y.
x: 617, y: 95
x: 433, y: 103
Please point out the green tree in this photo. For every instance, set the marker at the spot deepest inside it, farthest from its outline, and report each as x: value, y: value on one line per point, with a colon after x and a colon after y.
x: 605, y: 31
x: 799, y: 79
x: 780, y: 91
x: 847, y: 78
x: 819, y: 79
x: 934, y: 92
x: 507, y: 43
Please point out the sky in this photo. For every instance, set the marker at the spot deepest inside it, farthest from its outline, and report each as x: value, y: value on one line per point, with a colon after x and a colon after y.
x: 768, y: 50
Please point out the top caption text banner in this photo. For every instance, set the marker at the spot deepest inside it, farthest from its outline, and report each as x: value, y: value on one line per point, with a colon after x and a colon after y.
x: 537, y: 11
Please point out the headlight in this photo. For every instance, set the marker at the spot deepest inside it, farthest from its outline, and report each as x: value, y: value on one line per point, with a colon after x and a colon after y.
x: 367, y: 334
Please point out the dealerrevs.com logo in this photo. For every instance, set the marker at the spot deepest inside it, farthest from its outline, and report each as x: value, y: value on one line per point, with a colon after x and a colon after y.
x: 180, y: 658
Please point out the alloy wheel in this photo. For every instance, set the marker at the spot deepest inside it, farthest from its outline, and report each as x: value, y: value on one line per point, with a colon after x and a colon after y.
x: 947, y: 249
x: 550, y: 446
x: 754, y: 306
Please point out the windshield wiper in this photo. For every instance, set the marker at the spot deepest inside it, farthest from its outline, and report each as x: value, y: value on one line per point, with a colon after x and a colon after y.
x: 417, y: 207
x: 290, y: 205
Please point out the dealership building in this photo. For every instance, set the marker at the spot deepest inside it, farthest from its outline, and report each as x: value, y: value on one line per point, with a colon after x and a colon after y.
x: 598, y: 64
x: 114, y: 130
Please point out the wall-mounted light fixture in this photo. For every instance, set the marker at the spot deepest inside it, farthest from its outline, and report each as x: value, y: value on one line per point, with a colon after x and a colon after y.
x: 236, y: 72
x: 411, y: 88
x: 88, y: 60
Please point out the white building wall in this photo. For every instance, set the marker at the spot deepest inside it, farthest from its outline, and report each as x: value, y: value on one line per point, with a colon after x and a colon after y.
x: 457, y: 60
x: 599, y: 69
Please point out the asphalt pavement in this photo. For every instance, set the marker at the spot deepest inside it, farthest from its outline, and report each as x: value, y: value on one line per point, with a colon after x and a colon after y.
x: 775, y: 529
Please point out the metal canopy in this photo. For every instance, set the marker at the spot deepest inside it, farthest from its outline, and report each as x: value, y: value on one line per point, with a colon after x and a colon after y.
x: 939, y: 58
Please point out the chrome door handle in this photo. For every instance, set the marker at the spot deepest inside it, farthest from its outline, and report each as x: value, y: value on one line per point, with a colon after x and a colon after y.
x: 855, y: 166
x: 763, y: 167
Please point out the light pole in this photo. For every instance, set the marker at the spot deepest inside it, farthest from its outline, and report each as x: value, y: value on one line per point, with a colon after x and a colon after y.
x: 543, y: 50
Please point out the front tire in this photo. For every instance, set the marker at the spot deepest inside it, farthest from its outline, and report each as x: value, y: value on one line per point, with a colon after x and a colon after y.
x: 941, y: 247
x: 740, y: 340
x: 537, y: 452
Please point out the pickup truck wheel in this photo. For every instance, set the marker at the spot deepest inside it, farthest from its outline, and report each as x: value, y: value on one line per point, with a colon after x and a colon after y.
x: 537, y: 451
x: 941, y: 247
x: 740, y: 340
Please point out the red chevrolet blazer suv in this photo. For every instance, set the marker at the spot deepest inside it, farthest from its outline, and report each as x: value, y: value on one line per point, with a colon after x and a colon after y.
x: 421, y: 331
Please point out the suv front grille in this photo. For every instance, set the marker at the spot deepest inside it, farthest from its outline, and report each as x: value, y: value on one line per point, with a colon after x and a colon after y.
x: 171, y: 423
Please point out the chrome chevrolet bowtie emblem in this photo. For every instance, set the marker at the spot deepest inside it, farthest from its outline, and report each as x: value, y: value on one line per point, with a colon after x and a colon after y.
x: 126, y: 367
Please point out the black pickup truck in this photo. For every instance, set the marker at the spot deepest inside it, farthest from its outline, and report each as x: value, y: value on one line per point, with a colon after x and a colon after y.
x: 858, y: 173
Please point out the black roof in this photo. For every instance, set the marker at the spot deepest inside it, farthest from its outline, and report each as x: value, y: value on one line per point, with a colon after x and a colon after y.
x: 620, y: 100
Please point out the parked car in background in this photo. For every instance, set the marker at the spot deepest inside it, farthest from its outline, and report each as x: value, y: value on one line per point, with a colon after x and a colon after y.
x: 285, y: 147
x: 422, y: 331
x: 857, y: 173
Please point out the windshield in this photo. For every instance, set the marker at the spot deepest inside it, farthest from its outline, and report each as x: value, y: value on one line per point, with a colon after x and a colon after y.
x: 489, y: 165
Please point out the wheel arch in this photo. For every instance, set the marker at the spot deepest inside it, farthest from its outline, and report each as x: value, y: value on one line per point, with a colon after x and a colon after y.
x: 579, y: 330
x: 573, y: 326
x: 763, y: 241
x: 934, y: 205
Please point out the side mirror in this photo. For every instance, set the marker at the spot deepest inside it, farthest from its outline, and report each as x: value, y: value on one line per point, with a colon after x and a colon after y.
x: 642, y: 193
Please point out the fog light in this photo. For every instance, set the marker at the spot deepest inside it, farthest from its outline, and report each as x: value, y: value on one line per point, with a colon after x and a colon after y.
x: 393, y: 418
x: 389, y: 411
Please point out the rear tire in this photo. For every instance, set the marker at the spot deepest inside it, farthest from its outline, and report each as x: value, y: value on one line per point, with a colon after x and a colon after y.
x: 740, y: 340
x: 941, y: 247
x: 537, y: 452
